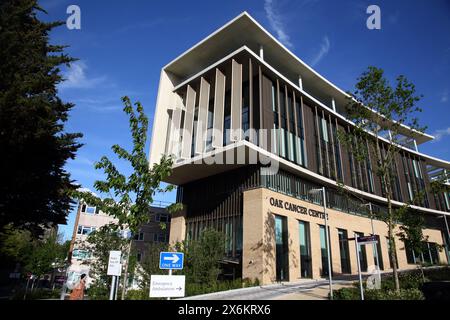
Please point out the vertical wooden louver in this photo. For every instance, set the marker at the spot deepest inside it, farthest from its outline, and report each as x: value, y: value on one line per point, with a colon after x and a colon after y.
x: 188, y: 123
x: 236, y: 101
x: 219, y: 103
x: 202, y: 121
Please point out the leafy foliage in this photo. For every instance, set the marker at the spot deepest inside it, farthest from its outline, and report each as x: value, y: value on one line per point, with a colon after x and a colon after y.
x: 129, y: 198
x: 376, y: 107
x: 35, y: 188
x: 203, y: 256
x: 36, y: 255
x: 99, y: 243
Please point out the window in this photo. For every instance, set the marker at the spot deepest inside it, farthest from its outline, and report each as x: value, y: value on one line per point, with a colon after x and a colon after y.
x: 379, y: 254
x: 80, y: 254
x: 305, y: 249
x: 160, y: 237
x: 301, y: 157
x: 281, y: 249
x: 344, y: 251
x: 362, y: 254
x: 139, y: 236
x: 85, y: 230
x: 324, y: 251
x: 88, y: 209
x: 139, y: 257
x: 324, y: 129
x: 390, y: 252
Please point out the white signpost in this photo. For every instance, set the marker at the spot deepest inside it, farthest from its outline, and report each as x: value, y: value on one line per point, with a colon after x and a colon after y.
x: 168, y: 286
x: 114, y: 270
x: 360, y: 241
x: 165, y: 286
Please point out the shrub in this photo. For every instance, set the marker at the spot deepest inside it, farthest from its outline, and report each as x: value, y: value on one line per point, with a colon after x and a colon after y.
x: 98, y: 290
x: 37, y: 294
x: 141, y: 294
x: 438, y: 274
x: 404, y: 294
x: 378, y: 294
x: 193, y: 289
x: 346, y: 294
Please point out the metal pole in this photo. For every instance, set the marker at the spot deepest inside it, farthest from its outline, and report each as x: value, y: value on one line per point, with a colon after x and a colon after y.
x: 328, y: 243
x: 359, y: 267
x: 170, y: 273
x: 113, y: 284
x: 375, y: 248
x: 117, y: 287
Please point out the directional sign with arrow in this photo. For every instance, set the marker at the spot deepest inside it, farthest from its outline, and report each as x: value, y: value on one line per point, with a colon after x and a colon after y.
x: 171, y: 260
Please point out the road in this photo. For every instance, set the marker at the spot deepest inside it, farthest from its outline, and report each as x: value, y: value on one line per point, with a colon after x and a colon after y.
x: 302, y: 290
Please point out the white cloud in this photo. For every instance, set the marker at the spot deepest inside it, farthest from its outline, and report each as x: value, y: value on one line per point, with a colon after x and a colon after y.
x: 84, y: 161
x: 276, y: 23
x: 75, y: 77
x: 444, y: 97
x: 82, y: 189
x: 439, y: 134
x: 324, y: 48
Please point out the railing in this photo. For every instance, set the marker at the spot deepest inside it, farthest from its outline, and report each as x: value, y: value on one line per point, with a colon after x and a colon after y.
x: 161, y: 203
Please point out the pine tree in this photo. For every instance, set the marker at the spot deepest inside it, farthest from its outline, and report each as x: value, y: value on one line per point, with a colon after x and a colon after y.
x: 34, y: 147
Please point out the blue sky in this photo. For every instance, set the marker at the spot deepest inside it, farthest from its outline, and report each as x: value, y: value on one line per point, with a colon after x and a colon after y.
x: 123, y: 45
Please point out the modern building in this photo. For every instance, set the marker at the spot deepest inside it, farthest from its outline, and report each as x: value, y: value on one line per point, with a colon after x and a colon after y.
x: 254, y: 184
x: 89, y: 219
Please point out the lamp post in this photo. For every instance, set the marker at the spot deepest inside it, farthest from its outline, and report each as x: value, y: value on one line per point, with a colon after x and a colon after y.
x: 330, y: 277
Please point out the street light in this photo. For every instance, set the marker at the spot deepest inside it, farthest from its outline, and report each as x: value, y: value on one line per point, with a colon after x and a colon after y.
x: 315, y: 191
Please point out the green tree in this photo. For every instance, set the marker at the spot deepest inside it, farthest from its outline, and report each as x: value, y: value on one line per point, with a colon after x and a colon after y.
x: 35, y: 188
x: 15, y: 247
x: 47, y: 254
x: 376, y: 107
x: 129, y: 198
x: 150, y: 264
x: 38, y: 255
x: 203, y: 257
x: 99, y: 243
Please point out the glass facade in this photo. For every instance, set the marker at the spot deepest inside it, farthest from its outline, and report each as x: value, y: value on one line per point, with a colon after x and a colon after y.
x: 362, y: 254
x: 344, y: 251
x: 324, y: 251
x: 391, y: 265
x: 281, y: 249
x: 305, y: 250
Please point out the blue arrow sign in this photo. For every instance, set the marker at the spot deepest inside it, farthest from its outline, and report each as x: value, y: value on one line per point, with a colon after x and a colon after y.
x: 171, y: 260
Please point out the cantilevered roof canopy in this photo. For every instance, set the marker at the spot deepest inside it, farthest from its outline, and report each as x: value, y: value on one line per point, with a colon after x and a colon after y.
x: 244, y: 30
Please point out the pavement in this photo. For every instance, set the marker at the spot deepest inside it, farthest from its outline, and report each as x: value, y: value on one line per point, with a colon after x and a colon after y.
x: 300, y: 290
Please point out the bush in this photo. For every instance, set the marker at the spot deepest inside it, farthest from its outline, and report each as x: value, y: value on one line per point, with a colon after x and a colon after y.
x: 378, y: 294
x: 142, y: 294
x: 404, y: 294
x: 346, y: 294
x: 98, y: 291
x: 37, y: 294
x: 438, y: 274
x: 408, y: 280
x: 193, y: 289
